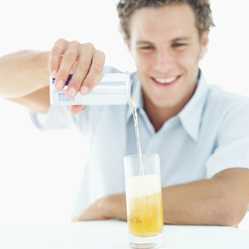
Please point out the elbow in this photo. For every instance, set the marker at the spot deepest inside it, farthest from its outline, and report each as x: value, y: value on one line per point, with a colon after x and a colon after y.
x: 231, y: 219
x: 232, y: 212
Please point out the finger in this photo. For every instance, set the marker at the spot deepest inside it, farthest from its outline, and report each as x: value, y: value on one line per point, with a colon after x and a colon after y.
x: 55, y: 56
x: 84, y: 63
x: 73, y: 69
x: 95, y: 73
x: 68, y: 61
x: 77, y: 109
x: 74, y: 66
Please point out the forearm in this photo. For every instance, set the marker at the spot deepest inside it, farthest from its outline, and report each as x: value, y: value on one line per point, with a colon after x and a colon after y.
x: 204, y: 202
x: 201, y: 202
x: 198, y: 202
x: 222, y: 200
x: 22, y: 73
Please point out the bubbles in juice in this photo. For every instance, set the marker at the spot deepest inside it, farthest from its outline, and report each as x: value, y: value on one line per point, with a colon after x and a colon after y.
x: 144, y: 205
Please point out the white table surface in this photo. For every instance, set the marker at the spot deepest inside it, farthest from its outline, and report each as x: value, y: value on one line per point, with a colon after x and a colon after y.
x: 113, y: 234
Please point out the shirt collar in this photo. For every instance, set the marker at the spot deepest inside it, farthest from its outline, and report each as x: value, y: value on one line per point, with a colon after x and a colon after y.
x: 190, y: 116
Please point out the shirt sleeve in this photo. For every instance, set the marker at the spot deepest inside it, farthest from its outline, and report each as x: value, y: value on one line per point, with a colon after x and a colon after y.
x: 232, y: 149
x: 56, y: 118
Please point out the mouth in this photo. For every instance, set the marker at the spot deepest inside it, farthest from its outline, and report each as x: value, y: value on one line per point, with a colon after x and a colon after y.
x: 166, y: 82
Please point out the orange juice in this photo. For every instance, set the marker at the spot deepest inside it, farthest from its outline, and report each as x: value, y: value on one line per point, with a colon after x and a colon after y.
x: 145, y: 215
x: 144, y: 205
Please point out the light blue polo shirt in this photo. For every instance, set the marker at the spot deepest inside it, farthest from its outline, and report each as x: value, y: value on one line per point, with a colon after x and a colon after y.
x: 210, y: 134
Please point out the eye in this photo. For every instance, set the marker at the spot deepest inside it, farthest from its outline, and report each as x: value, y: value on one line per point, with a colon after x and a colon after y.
x: 178, y: 45
x: 145, y: 48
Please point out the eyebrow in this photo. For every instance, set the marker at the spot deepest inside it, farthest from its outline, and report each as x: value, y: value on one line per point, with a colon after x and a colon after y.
x: 179, y: 39
x: 141, y: 42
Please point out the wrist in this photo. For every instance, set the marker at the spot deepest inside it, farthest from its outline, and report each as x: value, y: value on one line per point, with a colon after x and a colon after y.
x: 117, y: 206
x: 41, y: 60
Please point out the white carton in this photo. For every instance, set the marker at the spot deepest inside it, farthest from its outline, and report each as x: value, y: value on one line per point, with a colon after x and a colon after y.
x: 113, y: 89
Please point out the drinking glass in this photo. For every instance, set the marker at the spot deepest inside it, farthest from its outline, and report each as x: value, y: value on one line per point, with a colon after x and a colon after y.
x: 144, y: 200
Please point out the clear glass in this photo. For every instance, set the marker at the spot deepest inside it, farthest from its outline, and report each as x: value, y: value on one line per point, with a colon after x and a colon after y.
x: 144, y: 201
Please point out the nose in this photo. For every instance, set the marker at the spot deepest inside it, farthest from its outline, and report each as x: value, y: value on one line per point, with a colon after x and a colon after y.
x: 164, y: 61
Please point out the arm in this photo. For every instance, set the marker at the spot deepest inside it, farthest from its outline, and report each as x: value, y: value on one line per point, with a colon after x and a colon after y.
x: 222, y: 200
x: 22, y: 73
x: 24, y: 79
x: 24, y: 76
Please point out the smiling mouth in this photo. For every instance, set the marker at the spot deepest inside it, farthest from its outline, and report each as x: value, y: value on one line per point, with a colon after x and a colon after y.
x: 165, y: 82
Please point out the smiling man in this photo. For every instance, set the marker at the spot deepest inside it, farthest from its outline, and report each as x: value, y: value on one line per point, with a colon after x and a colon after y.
x: 167, y: 47
x: 200, y: 132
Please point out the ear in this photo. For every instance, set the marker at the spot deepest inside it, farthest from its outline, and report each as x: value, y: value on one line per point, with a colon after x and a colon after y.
x: 128, y: 44
x: 202, y: 53
x: 130, y: 48
x: 204, y: 40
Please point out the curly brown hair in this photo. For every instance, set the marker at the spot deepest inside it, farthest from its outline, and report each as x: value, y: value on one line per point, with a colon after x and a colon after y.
x: 201, y: 8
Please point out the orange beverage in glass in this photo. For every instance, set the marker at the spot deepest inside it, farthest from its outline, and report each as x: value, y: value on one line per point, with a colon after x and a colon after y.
x: 144, y: 202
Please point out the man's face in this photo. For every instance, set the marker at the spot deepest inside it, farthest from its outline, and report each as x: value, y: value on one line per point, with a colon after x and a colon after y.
x: 166, y: 46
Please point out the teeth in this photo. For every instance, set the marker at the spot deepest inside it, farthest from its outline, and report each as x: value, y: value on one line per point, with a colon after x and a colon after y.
x: 166, y: 80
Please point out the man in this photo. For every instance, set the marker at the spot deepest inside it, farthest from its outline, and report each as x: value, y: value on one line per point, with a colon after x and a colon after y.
x: 200, y: 132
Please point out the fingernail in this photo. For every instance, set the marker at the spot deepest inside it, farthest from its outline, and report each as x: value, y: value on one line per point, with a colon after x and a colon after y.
x: 84, y: 90
x: 60, y: 84
x: 71, y: 92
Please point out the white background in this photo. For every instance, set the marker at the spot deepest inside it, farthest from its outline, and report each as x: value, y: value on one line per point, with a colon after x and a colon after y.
x: 40, y: 171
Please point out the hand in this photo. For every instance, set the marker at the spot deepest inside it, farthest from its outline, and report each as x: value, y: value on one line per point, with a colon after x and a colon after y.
x: 83, y: 61
x: 110, y: 207
x: 99, y: 210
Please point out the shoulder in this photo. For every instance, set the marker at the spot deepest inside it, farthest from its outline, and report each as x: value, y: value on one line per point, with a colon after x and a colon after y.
x: 229, y: 111
x: 225, y: 103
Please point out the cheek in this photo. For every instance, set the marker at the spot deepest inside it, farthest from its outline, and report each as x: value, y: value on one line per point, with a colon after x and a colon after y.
x: 144, y: 62
x: 189, y: 60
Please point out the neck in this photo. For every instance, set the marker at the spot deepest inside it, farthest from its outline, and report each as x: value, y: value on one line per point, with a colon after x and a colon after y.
x: 159, y: 115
